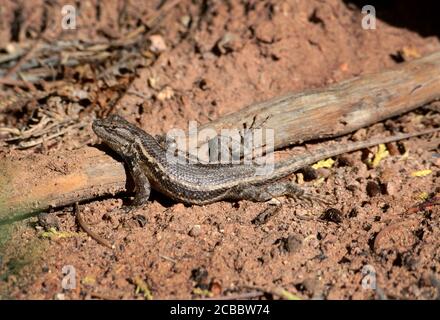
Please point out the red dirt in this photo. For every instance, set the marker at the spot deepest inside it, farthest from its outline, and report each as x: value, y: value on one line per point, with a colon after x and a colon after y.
x: 230, y: 55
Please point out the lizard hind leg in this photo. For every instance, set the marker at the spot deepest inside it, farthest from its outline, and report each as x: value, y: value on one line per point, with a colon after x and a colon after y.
x: 266, y: 192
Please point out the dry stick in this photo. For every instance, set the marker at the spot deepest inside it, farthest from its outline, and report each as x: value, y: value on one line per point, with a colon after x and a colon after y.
x: 22, y: 60
x: 87, y: 230
x: 39, y: 182
x: 343, y: 107
x: 17, y: 83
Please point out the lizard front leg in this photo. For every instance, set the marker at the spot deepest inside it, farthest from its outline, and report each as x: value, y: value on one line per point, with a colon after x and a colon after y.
x: 142, y: 186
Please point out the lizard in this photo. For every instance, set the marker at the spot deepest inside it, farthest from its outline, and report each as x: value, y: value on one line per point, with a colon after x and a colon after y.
x: 204, y: 183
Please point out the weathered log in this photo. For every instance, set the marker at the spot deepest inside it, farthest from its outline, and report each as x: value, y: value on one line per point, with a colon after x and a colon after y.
x: 343, y: 107
x: 39, y: 182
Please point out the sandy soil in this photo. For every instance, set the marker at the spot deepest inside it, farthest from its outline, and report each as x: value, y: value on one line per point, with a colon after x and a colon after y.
x: 218, y: 57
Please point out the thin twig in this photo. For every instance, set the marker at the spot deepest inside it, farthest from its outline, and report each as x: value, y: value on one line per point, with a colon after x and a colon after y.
x: 87, y: 230
x: 22, y: 60
x: 17, y: 83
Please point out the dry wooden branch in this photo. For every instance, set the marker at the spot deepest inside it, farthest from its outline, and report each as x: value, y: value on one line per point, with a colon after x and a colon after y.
x: 37, y: 183
x: 345, y: 106
x: 40, y: 182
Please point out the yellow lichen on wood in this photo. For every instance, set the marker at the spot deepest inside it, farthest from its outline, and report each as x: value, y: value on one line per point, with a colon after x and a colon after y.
x: 381, y: 153
x: 327, y: 163
x: 421, y: 173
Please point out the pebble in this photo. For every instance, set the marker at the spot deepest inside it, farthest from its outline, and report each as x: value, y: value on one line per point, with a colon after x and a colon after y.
x: 345, y: 161
x: 332, y: 215
x: 48, y: 220
x: 388, y: 175
x: 195, y: 231
x: 141, y: 220
x: 60, y: 296
x: 311, y: 285
x: 392, y: 149
x: 200, y: 277
x: 227, y: 43
x: 158, y: 44
x: 373, y: 188
x: 185, y: 21
x: 398, y: 236
x: 390, y: 188
x: 324, y: 172
x: 309, y: 173
x: 179, y: 208
x: 292, y: 243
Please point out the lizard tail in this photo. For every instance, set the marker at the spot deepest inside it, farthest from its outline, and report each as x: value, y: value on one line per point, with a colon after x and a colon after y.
x: 283, y: 168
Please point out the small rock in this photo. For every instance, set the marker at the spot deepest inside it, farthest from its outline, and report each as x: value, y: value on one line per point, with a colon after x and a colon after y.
x: 392, y: 149
x: 158, y: 44
x: 292, y: 243
x: 398, y: 236
x: 226, y: 44
x: 60, y: 296
x: 179, y: 208
x: 390, y: 188
x: 195, y: 231
x: 345, y: 161
x: 185, y: 21
x: 141, y: 220
x: 373, y: 188
x: 216, y: 287
x: 309, y: 173
x: 388, y: 174
x: 48, y: 220
x: 311, y: 285
x: 299, y: 178
x: 200, y: 277
x: 324, y: 172
x: 120, y: 282
x: 165, y: 94
x: 332, y: 215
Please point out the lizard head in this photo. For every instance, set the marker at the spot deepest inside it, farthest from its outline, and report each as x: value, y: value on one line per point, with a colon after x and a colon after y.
x: 116, y: 132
